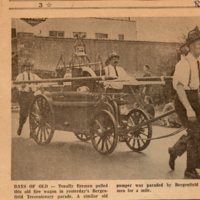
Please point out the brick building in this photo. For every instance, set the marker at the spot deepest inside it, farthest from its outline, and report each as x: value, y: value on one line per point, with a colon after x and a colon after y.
x: 90, y: 28
x: 46, y: 47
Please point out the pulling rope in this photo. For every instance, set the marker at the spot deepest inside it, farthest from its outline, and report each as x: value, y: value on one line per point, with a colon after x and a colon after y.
x: 146, y: 123
x: 140, y: 125
x: 161, y: 137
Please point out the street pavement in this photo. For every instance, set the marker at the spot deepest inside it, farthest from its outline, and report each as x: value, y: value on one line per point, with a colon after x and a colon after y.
x: 67, y: 158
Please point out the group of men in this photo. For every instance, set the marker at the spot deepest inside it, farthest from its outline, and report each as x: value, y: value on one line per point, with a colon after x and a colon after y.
x: 186, y: 82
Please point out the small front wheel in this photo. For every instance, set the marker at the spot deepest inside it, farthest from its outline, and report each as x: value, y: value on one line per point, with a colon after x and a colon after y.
x: 138, y: 140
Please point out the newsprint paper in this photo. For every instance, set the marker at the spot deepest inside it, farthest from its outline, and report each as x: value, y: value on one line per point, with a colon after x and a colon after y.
x: 99, y: 99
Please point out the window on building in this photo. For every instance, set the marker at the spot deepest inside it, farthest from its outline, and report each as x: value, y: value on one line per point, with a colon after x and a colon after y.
x: 79, y: 34
x: 101, y: 36
x: 52, y: 33
x: 121, y: 36
x: 56, y: 33
x: 60, y: 34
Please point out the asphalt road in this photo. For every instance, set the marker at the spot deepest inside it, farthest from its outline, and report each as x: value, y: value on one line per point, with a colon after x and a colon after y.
x: 68, y: 158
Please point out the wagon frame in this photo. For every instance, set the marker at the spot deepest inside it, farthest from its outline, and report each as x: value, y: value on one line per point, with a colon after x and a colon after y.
x: 94, y: 116
x: 103, y: 126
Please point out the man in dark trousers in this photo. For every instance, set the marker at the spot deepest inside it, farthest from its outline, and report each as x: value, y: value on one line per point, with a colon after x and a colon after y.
x: 186, y: 82
x: 26, y: 92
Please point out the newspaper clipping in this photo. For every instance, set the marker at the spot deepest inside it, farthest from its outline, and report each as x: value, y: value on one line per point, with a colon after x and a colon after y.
x: 100, y: 100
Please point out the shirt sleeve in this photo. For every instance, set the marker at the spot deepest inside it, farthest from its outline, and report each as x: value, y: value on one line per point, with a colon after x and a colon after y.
x: 181, y: 74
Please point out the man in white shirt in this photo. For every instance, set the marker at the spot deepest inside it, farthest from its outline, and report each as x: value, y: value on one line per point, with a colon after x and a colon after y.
x: 112, y: 69
x: 26, y: 92
x: 186, y: 82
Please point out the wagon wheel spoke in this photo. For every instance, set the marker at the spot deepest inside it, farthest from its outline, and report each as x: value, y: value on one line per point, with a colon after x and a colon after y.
x: 100, y: 139
x: 38, y: 131
x: 138, y: 142
x: 129, y: 139
x: 44, y: 133
x: 48, y: 125
x: 48, y: 114
x: 42, y: 104
x: 99, y: 124
x: 102, y: 145
x: 36, y: 120
x: 132, y: 117
x: 35, y: 123
x: 131, y: 121
x: 144, y: 134
x: 141, y: 139
x: 34, y: 114
x: 144, y: 127
x: 107, y: 148
x: 108, y: 139
x: 42, y: 129
x: 39, y: 103
x: 48, y: 121
x: 134, y: 141
x: 35, y: 108
x: 82, y: 136
x: 47, y: 131
x: 135, y: 117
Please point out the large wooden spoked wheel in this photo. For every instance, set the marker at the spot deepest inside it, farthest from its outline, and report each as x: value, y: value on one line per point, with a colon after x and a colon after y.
x: 138, y: 140
x: 81, y: 136
x: 41, y: 119
x: 104, y: 135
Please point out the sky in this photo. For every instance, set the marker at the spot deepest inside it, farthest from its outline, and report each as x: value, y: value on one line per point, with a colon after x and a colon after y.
x: 165, y: 29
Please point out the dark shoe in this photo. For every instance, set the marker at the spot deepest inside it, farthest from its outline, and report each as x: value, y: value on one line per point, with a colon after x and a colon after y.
x: 172, y: 159
x: 192, y: 174
x: 19, y: 131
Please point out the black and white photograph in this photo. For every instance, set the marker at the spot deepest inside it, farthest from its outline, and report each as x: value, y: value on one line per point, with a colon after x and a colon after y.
x: 105, y: 98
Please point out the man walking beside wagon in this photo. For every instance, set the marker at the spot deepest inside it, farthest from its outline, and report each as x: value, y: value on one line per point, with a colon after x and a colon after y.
x: 26, y: 92
x: 186, y: 82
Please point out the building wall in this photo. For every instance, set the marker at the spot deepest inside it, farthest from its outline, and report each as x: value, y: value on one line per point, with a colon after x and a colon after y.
x: 133, y: 54
x: 90, y: 26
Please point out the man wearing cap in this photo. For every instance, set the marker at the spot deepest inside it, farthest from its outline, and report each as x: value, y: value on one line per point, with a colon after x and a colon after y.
x: 26, y: 92
x: 186, y: 82
x: 112, y: 69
